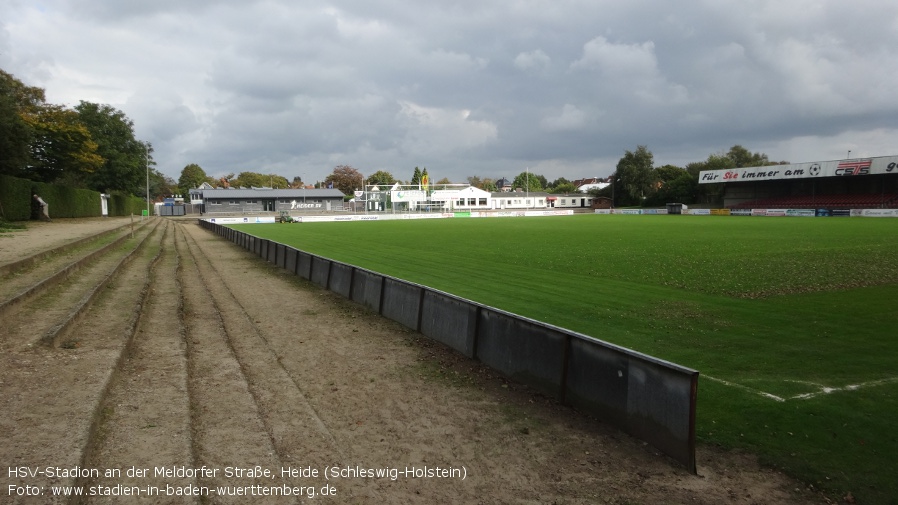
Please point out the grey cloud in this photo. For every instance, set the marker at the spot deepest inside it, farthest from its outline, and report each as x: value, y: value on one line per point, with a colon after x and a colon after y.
x: 532, y: 60
x: 469, y: 86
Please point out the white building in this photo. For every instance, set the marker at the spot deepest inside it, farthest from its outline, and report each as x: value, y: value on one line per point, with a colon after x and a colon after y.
x: 449, y: 199
x: 570, y: 201
x: 519, y: 200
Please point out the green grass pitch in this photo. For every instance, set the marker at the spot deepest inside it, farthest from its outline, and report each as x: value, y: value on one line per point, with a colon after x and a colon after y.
x: 792, y: 322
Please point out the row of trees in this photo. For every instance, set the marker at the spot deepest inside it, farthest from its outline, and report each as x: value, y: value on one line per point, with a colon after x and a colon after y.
x: 193, y: 175
x: 636, y: 181
x: 344, y: 177
x: 93, y: 146
x: 89, y: 146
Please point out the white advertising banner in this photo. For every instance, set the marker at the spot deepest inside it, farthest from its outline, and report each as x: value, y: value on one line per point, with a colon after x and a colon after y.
x: 408, y: 196
x: 842, y: 168
x: 879, y: 212
x: 242, y: 220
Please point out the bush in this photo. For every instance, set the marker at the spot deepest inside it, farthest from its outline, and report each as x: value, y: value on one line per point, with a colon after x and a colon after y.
x: 64, y: 201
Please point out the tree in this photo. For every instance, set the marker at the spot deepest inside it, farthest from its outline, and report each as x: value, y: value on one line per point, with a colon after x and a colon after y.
x: 667, y: 173
x: 161, y: 186
x: 634, y: 177
x: 742, y: 157
x: 527, y: 181
x: 680, y: 190
x: 27, y: 98
x: 278, y: 181
x: 443, y: 181
x: 485, y: 183
x: 673, y: 184
x: 556, y: 182
x: 564, y: 187
x: 606, y: 192
x: 416, y: 177
x: 346, y: 179
x: 192, y: 176
x: 248, y: 179
x: 125, y: 159
x: 39, y: 141
x: 16, y: 135
x: 62, y: 148
x: 381, y: 178
x: 710, y: 193
x: 257, y: 180
x: 226, y: 181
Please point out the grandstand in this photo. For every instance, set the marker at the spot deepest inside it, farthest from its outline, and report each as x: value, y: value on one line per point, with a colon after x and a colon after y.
x: 865, y: 183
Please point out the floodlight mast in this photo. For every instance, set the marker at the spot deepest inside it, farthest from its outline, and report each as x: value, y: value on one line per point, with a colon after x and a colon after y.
x: 146, y: 149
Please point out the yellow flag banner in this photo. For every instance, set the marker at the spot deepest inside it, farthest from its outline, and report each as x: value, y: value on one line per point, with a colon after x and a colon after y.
x: 425, y: 181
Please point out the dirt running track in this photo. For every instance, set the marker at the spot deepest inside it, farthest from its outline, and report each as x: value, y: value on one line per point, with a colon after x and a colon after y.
x: 198, y: 372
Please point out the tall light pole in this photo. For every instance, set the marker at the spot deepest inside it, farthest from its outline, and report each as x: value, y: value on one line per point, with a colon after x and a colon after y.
x: 849, y: 154
x: 147, y: 160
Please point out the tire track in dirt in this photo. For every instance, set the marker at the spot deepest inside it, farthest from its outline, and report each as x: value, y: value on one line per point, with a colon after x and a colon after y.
x: 144, y: 420
x: 51, y: 395
x: 229, y: 425
x: 19, y: 276
x: 301, y: 438
x: 343, y: 360
x: 34, y: 317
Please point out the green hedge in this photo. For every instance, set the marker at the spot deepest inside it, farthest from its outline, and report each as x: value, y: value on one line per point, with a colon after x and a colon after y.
x: 64, y: 201
x: 124, y: 205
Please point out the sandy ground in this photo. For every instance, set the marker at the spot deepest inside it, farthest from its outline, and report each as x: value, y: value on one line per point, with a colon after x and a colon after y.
x: 200, y: 355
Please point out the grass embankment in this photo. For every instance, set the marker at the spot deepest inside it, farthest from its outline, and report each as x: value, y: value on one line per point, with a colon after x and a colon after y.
x: 792, y: 322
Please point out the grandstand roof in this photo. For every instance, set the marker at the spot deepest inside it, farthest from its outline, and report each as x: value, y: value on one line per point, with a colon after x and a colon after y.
x: 271, y: 193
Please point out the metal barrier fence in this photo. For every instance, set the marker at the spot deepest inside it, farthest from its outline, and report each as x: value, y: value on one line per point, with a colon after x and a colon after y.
x: 649, y: 398
x: 171, y: 210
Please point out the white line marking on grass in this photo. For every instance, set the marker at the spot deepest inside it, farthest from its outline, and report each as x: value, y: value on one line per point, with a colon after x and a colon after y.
x: 851, y: 387
x: 740, y: 386
x: 804, y: 396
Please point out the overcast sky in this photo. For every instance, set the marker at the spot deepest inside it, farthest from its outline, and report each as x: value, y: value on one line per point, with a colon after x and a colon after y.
x: 468, y: 87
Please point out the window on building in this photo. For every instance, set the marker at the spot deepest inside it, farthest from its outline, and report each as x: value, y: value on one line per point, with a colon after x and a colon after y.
x: 483, y: 201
